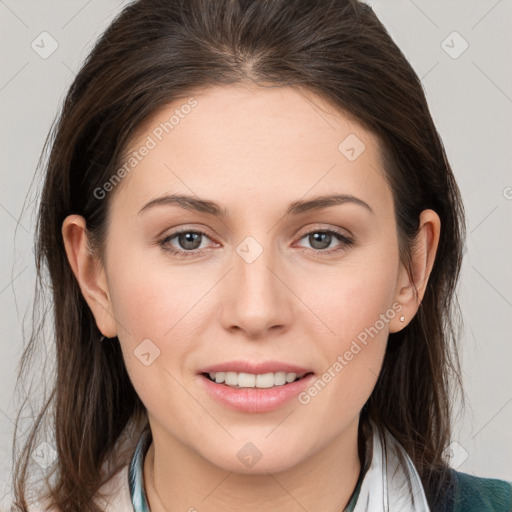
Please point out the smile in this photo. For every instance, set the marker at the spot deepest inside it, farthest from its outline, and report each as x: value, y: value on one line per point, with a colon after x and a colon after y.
x: 251, y: 380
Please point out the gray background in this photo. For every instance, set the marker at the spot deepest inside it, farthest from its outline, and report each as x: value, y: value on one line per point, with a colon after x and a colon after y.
x: 470, y: 96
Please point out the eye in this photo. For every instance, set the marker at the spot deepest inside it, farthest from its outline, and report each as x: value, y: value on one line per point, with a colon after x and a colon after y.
x: 189, y: 241
x: 321, y: 239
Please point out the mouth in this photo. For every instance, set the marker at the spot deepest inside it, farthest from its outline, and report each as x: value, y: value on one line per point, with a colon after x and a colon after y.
x: 254, y: 387
x: 242, y: 380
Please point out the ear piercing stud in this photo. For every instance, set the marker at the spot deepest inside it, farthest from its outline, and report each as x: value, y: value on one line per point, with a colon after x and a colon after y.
x: 402, y: 318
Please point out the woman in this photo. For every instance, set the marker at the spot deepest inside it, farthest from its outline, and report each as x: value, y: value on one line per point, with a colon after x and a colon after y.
x: 253, y: 238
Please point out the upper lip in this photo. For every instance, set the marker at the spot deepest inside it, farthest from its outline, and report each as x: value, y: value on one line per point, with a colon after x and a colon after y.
x: 255, y: 368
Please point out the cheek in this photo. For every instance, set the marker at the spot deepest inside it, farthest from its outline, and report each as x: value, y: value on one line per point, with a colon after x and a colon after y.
x: 355, y: 317
x: 351, y: 298
x: 155, y: 308
x: 152, y: 300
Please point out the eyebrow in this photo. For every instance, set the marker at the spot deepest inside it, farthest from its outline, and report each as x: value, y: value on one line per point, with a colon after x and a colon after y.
x: 194, y: 203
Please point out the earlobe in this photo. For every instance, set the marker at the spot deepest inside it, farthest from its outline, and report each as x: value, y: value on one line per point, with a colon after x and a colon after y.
x: 89, y: 273
x: 411, y: 285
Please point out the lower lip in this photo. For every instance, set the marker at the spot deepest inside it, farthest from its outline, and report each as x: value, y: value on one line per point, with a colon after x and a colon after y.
x: 255, y: 400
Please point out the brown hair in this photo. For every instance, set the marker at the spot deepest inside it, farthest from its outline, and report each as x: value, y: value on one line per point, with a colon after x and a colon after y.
x: 156, y: 51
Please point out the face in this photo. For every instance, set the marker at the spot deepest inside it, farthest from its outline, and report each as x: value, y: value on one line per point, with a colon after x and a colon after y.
x: 264, y: 282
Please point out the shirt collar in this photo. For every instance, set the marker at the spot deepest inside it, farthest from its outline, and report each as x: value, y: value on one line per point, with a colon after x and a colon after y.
x: 136, y: 473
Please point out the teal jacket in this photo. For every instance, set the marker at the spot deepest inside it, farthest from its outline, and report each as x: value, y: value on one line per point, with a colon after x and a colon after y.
x: 474, y: 494
x: 461, y: 492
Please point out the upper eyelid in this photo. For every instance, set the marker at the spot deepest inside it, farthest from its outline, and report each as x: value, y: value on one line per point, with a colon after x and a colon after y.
x: 341, y: 231
x: 318, y: 227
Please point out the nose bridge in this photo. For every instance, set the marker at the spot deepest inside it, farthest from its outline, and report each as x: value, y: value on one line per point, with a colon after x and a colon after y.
x: 253, y: 264
x: 259, y: 296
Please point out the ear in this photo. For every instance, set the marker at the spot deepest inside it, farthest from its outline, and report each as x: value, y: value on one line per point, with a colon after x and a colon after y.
x: 89, y: 273
x: 411, y: 288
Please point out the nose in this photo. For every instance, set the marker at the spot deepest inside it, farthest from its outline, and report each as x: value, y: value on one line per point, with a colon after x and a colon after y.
x: 257, y: 298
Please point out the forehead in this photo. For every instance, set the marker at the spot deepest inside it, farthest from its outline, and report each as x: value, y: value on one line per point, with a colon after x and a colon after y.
x: 245, y: 141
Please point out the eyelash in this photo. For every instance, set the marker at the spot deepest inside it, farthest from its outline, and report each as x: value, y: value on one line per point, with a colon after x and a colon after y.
x: 345, y: 240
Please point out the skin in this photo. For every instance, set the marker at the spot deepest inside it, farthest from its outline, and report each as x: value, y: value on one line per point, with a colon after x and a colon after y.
x: 254, y: 150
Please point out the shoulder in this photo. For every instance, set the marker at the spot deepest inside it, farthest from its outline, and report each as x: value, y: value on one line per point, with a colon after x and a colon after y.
x: 113, y: 496
x: 477, y: 494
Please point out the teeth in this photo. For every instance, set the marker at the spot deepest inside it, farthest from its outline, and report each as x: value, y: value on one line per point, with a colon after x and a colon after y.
x: 249, y: 380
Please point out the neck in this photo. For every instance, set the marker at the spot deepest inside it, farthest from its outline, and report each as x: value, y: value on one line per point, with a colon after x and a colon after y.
x: 177, y: 479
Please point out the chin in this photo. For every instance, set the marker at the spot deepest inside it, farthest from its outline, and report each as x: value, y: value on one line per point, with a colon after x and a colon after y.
x: 249, y: 459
